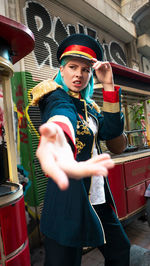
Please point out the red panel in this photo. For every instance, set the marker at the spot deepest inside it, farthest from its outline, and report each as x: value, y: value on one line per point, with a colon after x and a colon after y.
x: 147, y: 183
x: 135, y: 197
x: 13, y: 224
x: 16, y: 35
x: 21, y: 259
x: 137, y: 171
x: 117, y: 185
x: 130, y: 73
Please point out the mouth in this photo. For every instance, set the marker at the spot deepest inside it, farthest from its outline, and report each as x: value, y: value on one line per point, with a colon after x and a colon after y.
x: 77, y: 83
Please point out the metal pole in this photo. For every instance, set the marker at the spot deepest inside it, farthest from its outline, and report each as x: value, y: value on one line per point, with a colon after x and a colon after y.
x: 6, y: 71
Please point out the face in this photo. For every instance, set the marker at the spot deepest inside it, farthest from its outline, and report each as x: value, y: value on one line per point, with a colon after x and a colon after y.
x: 76, y: 74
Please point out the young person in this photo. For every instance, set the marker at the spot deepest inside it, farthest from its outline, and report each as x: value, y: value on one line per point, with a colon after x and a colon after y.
x: 80, y: 212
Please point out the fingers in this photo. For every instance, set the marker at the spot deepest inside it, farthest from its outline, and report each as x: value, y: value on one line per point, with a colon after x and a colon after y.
x: 104, y: 159
x: 57, y: 161
x: 98, y: 165
x: 51, y: 169
x: 103, y: 65
x: 100, y: 157
x: 48, y: 130
x: 97, y: 64
x: 99, y: 171
x: 51, y: 142
x: 52, y: 132
x: 102, y: 168
x: 59, y: 177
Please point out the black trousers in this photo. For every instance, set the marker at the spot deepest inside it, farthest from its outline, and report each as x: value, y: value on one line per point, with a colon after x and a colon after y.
x: 116, y: 251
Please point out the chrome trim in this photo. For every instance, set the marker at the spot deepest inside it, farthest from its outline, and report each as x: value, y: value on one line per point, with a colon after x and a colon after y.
x: 132, y: 213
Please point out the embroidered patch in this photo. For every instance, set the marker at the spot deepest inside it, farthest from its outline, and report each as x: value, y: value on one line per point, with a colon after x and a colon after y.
x: 82, y: 128
x: 79, y: 145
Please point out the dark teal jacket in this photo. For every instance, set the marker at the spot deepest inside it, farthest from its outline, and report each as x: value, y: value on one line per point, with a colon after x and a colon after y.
x: 68, y: 216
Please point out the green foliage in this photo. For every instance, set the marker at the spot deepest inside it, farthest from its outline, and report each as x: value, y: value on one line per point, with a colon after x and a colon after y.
x: 137, y: 113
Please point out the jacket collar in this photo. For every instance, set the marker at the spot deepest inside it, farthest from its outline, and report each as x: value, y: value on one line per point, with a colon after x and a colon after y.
x: 76, y: 95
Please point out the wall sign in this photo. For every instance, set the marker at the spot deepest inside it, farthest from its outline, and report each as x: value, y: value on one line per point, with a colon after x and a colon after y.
x: 50, y: 32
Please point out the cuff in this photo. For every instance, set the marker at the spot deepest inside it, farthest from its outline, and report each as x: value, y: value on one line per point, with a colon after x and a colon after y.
x: 67, y: 128
x: 69, y: 136
x: 111, y: 100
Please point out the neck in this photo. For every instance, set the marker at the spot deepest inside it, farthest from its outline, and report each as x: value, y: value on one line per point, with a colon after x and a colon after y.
x: 74, y: 94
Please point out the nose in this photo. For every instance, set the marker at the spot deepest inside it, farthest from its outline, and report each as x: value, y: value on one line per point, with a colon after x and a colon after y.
x: 78, y: 72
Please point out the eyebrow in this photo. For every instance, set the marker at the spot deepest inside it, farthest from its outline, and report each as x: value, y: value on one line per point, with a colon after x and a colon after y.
x: 76, y: 64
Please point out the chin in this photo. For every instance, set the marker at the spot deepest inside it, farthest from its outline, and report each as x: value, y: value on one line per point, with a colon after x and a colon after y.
x: 75, y: 90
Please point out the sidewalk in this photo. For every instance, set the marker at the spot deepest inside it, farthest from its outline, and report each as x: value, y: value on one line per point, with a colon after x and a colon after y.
x: 139, y: 235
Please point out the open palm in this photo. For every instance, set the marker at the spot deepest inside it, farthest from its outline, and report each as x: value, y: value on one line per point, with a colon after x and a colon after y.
x: 57, y: 160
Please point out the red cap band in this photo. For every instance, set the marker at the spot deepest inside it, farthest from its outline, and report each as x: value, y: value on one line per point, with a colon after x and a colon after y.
x: 80, y: 50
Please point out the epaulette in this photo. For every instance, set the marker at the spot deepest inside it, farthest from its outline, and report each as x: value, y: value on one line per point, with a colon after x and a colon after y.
x: 43, y: 88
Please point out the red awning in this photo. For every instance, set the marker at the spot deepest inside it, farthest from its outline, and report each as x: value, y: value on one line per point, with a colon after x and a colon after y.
x: 130, y: 73
x: 19, y: 37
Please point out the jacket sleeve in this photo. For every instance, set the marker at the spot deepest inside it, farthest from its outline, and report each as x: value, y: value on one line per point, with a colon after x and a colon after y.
x: 111, y: 123
x: 57, y: 107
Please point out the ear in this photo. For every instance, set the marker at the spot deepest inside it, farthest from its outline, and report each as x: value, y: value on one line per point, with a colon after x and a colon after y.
x: 90, y: 75
x: 61, y: 70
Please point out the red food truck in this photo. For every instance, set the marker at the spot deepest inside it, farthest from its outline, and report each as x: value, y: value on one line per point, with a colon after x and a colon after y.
x: 130, y: 178
x: 14, y: 244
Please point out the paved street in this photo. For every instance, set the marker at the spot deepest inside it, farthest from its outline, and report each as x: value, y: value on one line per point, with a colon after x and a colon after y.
x: 139, y: 234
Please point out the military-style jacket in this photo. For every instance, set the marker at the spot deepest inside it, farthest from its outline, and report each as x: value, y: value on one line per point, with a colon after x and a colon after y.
x: 68, y: 216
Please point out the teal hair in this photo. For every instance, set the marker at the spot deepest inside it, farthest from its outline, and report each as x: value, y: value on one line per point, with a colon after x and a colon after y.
x: 86, y: 93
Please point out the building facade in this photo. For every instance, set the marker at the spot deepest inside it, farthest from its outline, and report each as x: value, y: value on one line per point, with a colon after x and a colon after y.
x: 123, y: 29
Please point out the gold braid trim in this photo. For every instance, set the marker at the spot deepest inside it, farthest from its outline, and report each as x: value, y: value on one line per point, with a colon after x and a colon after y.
x: 96, y: 107
x: 42, y: 89
x: 111, y: 107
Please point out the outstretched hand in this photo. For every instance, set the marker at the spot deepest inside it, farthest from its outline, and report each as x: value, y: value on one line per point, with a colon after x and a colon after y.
x: 57, y: 160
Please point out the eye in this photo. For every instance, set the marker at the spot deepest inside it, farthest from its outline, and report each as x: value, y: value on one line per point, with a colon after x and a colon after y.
x: 72, y: 66
x: 87, y: 70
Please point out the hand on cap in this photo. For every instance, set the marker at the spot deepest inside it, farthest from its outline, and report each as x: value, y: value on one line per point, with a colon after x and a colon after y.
x: 104, y: 74
x: 57, y: 160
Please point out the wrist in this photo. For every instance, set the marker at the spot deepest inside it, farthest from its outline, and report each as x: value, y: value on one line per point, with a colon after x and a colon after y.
x: 108, y: 86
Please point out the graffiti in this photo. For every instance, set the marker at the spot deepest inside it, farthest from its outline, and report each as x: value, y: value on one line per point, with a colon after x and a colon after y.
x: 23, y: 136
x: 50, y: 32
x: 23, y: 122
x: 23, y: 178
